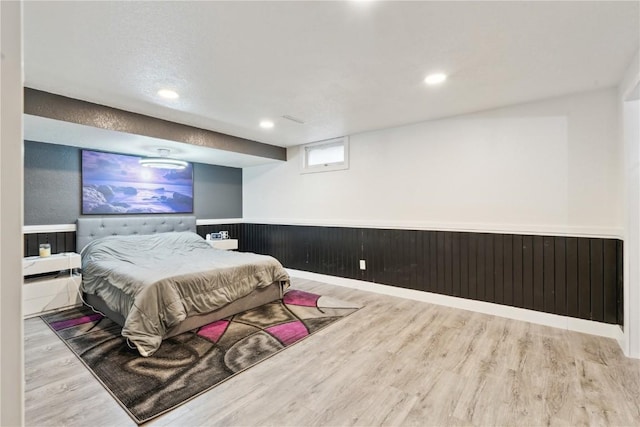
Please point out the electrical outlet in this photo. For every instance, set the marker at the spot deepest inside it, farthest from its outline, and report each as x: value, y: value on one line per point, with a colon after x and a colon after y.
x: 363, y: 264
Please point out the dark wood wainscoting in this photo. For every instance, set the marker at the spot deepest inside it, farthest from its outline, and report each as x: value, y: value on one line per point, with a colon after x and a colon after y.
x: 63, y: 241
x: 572, y: 276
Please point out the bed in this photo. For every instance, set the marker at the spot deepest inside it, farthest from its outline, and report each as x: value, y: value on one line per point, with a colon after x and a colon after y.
x: 156, y: 278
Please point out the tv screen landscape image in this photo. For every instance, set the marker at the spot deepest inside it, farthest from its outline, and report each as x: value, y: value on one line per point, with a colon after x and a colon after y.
x: 118, y: 184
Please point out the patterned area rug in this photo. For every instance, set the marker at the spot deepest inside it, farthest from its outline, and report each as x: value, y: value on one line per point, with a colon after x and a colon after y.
x: 189, y: 364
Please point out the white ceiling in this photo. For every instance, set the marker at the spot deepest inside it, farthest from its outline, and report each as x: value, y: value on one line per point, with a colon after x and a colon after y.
x: 342, y: 67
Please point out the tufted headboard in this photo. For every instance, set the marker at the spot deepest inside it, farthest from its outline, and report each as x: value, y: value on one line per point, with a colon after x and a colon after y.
x: 91, y: 228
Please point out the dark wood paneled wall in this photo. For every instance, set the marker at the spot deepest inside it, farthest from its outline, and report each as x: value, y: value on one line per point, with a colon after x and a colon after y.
x: 577, y: 277
x: 572, y: 276
x: 60, y: 242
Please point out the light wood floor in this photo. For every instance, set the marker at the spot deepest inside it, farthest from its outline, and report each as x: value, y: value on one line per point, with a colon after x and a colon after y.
x: 395, y: 362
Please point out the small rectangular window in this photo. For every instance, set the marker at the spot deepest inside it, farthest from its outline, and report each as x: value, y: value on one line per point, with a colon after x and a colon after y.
x: 325, y: 156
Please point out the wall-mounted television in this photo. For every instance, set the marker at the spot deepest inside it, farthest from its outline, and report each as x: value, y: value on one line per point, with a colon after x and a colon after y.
x: 118, y: 184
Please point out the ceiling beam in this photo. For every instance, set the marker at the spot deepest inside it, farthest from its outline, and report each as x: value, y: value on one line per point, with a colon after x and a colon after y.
x: 58, y: 107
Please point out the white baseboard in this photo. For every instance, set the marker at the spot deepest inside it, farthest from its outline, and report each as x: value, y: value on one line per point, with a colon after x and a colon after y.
x: 532, y: 316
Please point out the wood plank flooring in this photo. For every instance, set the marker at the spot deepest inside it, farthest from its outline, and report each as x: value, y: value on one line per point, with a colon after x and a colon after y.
x: 396, y: 362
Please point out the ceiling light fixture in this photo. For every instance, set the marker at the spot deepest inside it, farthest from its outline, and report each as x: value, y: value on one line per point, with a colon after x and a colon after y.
x: 162, y: 161
x: 168, y: 94
x: 435, y: 79
x: 266, y: 124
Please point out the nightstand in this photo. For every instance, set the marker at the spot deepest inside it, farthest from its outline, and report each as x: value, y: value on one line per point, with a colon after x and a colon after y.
x: 50, y: 283
x: 225, y: 244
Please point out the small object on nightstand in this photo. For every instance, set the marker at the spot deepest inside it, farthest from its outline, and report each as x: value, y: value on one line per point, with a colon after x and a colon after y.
x: 224, y: 234
x: 45, y: 250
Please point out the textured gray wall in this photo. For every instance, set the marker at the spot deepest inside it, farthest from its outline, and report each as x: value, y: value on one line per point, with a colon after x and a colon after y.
x: 51, y: 184
x: 52, y: 181
x: 217, y: 191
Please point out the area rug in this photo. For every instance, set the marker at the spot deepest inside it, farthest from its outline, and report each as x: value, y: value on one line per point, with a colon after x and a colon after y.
x: 189, y: 364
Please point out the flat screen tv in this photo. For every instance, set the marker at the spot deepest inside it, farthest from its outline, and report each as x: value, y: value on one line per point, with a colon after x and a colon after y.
x: 118, y: 184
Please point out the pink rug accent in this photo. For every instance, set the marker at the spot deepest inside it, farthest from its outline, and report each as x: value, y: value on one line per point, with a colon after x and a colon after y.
x: 306, y: 299
x: 288, y: 333
x: 75, y: 322
x: 213, y: 331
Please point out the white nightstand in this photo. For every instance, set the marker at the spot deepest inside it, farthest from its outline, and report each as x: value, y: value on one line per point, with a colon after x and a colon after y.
x: 53, y: 291
x: 225, y: 244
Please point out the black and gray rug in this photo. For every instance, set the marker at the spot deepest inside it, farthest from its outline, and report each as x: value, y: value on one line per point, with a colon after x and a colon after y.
x: 189, y: 364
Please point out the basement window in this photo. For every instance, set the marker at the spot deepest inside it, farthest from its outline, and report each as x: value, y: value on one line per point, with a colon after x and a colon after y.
x: 326, y: 156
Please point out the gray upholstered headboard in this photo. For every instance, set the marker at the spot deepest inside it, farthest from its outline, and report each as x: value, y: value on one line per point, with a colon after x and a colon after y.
x: 90, y: 228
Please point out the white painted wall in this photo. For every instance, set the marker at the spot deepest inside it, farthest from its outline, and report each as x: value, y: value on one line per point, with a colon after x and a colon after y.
x: 632, y: 237
x: 11, y: 366
x: 545, y: 167
x: 630, y: 132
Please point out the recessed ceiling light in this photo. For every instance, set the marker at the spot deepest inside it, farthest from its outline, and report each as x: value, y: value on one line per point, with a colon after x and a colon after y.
x: 168, y: 94
x: 266, y: 124
x: 434, y: 79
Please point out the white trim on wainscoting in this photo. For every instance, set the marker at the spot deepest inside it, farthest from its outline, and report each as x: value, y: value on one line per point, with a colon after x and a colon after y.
x: 53, y: 228
x: 536, y: 230
x: 531, y: 316
x: 59, y: 228
x: 219, y: 221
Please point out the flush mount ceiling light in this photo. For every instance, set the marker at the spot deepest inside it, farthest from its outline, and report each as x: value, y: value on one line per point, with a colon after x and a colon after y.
x: 435, y: 79
x: 168, y: 94
x: 266, y: 124
x: 163, y: 161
